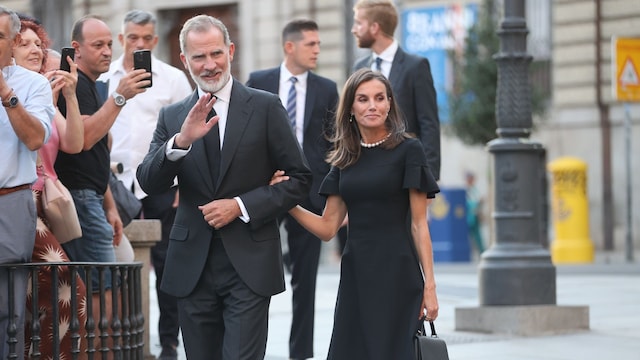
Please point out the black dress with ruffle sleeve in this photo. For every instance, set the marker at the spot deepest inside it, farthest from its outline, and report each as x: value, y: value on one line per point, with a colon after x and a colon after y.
x: 381, y: 283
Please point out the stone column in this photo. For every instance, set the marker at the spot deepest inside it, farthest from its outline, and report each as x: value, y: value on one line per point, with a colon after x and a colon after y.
x: 143, y: 234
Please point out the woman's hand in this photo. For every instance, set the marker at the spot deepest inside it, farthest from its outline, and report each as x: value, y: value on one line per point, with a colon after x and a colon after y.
x: 56, y: 82
x: 70, y: 79
x: 278, y: 177
x: 61, y: 80
x: 429, y: 307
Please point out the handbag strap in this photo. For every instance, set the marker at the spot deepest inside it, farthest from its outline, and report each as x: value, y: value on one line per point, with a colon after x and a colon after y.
x: 421, y: 329
x: 433, y: 329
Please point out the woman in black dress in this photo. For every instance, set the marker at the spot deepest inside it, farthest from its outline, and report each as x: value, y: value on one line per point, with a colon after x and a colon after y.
x: 379, y: 176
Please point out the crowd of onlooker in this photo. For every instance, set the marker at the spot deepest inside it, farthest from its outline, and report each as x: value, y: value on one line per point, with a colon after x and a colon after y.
x: 80, y: 133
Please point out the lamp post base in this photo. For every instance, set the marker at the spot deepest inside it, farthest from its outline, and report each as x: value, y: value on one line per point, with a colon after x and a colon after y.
x: 528, y: 320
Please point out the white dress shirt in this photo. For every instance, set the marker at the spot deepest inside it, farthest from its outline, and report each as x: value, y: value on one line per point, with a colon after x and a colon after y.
x: 301, y: 96
x: 387, y: 58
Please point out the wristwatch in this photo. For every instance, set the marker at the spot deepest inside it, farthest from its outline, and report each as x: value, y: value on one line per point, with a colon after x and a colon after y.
x: 11, y: 102
x: 119, y: 99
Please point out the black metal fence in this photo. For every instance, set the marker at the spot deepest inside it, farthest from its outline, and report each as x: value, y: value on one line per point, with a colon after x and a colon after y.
x: 106, y: 333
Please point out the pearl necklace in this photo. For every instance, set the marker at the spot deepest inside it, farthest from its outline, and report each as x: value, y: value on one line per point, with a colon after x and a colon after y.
x: 374, y: 144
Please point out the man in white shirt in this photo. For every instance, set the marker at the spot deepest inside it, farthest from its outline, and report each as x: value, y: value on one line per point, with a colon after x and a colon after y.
x: 132, y: 133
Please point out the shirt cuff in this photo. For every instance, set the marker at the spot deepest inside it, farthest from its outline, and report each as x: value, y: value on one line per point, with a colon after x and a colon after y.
x: 245, y: 215
x: 175, y: 154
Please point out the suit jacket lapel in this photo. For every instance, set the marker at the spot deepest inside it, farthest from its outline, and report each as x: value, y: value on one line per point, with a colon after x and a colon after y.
x: 198, y: 149
x: 272, y: 84
x: 396, y: 66
x: 237, y: 120
x: 309, y: 100
x: 369, y: 61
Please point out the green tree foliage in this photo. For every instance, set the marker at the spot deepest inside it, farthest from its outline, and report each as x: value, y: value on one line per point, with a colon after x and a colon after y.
x: 472, y: 102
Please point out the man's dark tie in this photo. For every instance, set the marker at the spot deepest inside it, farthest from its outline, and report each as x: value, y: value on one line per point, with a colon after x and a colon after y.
x: 378, y: 64
x: 291, y: 102
x: 212, y: 145
x: 212, y: 113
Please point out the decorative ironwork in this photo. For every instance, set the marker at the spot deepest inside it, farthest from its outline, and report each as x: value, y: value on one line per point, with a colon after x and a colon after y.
x: 117, y: 333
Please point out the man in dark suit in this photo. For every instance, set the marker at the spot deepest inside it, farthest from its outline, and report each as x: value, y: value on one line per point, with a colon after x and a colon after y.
x: 224, y: 260
x: 312, y: 106
x: 374, y: 24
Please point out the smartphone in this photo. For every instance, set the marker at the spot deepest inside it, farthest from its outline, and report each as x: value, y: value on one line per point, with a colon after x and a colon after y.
x: 142, y: 60
x: 66, y: 51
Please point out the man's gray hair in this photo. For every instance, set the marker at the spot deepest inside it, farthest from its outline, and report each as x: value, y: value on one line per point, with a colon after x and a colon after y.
x: 139, y: 17
x: 53, y: 53
x: 15, y: 21
x: 202, y: 23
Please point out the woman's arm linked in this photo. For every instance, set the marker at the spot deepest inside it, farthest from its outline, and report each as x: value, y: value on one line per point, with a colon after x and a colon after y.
x: 323, y: 226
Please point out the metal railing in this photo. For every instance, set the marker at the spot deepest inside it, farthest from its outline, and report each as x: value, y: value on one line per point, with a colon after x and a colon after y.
x: 117, y: 333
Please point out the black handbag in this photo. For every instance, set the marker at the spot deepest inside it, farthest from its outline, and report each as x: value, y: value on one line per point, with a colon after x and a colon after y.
x: 429, y: 347
x: 127, y: 203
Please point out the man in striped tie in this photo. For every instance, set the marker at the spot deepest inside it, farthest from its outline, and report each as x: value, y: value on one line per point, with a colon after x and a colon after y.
x: 310, y: 101
x: 292, y: 102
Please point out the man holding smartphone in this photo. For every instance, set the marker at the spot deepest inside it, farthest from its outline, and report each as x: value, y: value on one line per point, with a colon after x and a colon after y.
x: 86, y: 174
x: 132, y: 133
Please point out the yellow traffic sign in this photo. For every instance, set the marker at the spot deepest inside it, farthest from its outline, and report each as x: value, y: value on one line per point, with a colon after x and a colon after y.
x: 625, y: 65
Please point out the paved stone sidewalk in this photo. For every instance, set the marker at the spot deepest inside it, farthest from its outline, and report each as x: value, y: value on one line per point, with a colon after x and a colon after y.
x: 610, y: 287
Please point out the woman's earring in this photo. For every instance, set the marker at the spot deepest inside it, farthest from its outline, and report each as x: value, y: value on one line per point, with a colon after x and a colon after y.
x: 351, y: 118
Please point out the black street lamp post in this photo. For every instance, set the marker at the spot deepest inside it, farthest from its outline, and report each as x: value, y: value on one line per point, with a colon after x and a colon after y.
x: 517, y: 269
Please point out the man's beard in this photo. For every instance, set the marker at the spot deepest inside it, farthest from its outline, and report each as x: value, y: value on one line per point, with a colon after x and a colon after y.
x: 211, y: 86
x: 364, y: 41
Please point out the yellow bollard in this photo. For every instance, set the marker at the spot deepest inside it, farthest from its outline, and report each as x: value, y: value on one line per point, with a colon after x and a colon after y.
x: 572, y: 244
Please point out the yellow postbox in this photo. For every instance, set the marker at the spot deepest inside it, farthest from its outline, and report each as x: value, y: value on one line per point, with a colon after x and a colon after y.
x: 572, y: 244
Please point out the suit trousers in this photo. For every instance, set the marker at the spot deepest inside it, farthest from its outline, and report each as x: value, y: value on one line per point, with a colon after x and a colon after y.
x: 222, y: 319
x: 304, y: 255
x: 161, y: 207
x: 18, y: 229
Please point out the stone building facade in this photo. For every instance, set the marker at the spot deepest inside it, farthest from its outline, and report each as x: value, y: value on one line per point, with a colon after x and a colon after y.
x: 582, y: 120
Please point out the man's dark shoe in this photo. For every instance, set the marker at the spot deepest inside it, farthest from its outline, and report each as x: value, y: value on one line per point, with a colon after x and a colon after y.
x: 168, y: 353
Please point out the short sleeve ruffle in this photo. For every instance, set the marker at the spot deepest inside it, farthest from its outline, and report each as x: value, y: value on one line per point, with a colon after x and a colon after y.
x: 331, y: 183
x: 416, y: 172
